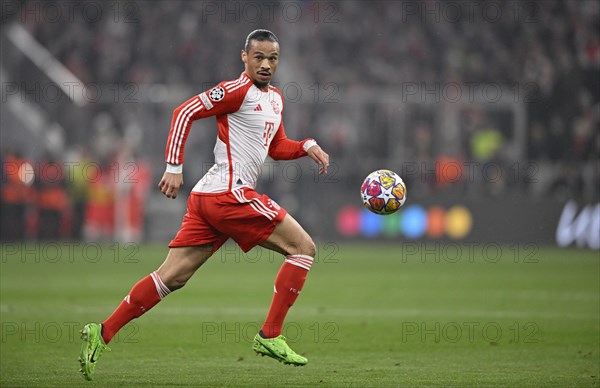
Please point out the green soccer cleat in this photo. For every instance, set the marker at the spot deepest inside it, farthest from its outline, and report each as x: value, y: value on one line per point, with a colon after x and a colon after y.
x: 278, y: 349
x: 91, y: 349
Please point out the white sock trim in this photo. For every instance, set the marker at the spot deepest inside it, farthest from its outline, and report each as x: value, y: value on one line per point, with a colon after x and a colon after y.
x: 161, y: 289
x: 302, y: 261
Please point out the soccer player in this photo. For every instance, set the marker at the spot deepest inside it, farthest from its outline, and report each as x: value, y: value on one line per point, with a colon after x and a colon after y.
x: 224, y: 204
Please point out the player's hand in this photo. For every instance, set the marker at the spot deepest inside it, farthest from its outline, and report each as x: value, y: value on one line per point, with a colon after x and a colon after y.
x: 170, y: 183
x: 321, y: 157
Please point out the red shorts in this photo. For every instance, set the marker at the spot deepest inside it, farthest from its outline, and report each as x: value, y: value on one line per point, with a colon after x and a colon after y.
x: 242, y: 214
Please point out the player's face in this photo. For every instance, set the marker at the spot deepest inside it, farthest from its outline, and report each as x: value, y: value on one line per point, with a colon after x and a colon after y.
x: 261, y: 62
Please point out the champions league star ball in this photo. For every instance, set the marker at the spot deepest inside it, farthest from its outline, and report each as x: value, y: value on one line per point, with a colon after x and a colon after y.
x: 383, y: 192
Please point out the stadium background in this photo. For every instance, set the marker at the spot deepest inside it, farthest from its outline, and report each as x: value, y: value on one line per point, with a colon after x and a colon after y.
x: 489, y: 111
x: 473, y: 104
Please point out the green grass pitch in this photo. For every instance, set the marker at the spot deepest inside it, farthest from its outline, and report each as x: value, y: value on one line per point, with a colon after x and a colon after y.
x: 369, y: 315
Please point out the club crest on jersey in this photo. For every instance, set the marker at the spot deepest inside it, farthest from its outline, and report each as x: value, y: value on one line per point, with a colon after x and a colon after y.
x: 272, y: 204
x: 217, y: 93
x: 275, y: 107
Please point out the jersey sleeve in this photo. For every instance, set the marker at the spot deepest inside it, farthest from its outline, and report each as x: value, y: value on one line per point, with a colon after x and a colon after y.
x: 282, y: 148
x: 213, y: 102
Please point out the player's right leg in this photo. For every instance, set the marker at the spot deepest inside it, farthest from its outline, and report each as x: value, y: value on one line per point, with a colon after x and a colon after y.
x: 291, y: 240
x: 181, y: 263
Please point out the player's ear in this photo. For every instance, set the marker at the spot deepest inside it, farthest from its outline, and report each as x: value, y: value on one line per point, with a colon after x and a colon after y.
x: 244, y: 57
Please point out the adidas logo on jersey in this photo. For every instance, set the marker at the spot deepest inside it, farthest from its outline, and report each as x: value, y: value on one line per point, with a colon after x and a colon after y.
x: 258, y: 108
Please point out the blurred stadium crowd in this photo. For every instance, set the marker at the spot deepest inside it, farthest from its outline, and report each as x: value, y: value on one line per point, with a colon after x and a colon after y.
x: 147, y: 58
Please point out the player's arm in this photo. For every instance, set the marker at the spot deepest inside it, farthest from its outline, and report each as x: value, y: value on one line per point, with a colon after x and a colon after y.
x: 213, y: 102
x: 282, y: 148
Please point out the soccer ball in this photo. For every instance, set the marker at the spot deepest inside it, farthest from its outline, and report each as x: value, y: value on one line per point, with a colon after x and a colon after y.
x: 383, y: 192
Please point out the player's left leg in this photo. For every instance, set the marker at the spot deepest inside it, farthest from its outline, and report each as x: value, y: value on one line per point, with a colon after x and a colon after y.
x: 181, y: 263
x: 291, y: 240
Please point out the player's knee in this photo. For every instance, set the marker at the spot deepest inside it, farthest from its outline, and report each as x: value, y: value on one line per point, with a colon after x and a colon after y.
x: 175, y: 284
x: 309, y: 248
x: 305, y: 246
x: 174, y: 281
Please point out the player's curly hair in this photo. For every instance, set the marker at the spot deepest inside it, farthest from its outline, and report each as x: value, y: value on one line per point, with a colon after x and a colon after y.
x: 260, y: 36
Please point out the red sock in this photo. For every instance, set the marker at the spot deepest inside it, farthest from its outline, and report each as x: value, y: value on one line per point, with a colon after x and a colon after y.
x: 288, y: 284
x: 144, y: 295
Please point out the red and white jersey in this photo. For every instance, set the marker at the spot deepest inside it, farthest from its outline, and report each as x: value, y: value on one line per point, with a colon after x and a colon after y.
x: 250, y: 128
